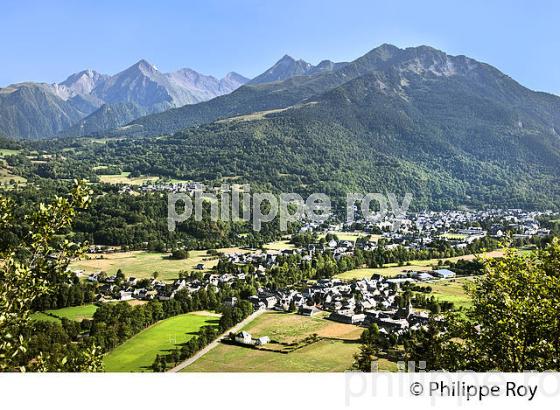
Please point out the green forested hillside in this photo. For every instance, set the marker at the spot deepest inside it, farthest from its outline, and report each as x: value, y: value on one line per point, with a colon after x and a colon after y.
x: 450, y: 130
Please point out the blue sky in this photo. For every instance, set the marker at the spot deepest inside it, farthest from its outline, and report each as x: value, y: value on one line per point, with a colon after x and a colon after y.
x: 48, y: 40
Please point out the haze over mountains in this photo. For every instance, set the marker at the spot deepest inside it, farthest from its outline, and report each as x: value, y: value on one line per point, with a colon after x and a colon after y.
x: 88, y: 102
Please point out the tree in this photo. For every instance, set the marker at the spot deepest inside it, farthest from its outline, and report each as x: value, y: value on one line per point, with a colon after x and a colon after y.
x: 34, y: 267
x: 180, y: 254
x: 513, y: 326
x: 369, y: 350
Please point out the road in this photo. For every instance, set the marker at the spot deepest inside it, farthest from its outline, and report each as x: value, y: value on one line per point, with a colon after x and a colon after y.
x: 215, y: 343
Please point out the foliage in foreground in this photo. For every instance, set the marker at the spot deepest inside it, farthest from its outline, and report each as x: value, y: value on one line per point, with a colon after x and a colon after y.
x: 32, y: 269
x: 513, y: 325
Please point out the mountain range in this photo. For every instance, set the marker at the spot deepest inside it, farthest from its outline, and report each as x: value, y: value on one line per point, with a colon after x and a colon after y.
x: 450, y: 129
x: 89, y: 102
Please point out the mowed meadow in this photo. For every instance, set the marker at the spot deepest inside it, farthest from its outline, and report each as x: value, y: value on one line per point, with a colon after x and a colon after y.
x: 139, y: 352
x: 393, y: 269
x: 142, y: 264
x: 77, y: 313
x: 293, y: 347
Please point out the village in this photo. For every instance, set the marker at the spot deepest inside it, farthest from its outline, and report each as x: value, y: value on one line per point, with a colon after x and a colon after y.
x: 358, y: 301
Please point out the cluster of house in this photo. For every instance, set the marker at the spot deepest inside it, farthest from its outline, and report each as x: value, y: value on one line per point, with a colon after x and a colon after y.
x: 360, y: 302
x: 175, y: 187
x: 263, y: 260
x: 188, y: 187
x: 113, y: 288
x: 459, y: 228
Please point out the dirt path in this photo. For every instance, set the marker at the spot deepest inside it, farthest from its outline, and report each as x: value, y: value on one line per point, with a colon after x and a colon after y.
x: 213, y: 344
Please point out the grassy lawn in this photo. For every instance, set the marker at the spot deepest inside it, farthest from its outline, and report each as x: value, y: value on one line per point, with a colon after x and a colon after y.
x: 334, y: 352
x: 392, y: 269
x: 141, y: 264
x: 44, y: 317
x: 138, y: 353
x: 77, y: 313
x: 124, y: 179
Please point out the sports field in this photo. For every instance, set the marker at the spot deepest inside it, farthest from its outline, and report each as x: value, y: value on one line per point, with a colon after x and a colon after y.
x: 138, y: 353
x: 332, y: 352
x: 142, y: 264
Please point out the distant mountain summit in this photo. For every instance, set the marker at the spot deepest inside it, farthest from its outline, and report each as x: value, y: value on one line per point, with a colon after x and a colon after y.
x: 89, y: 102
x: 84, y: 82
x: 283, y: 69
x: 449, y: 129
x: 205, y: 87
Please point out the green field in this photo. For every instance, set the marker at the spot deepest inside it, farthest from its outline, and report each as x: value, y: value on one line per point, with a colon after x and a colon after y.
x: 334, y: 352
x: 138, y: 353
x: 4, y: 152
x: 6, y: 176
x: 44, y: 317
x: 141, y: 264
x: 452, y: 291
x: 77, y: 313
x: 279, y: 245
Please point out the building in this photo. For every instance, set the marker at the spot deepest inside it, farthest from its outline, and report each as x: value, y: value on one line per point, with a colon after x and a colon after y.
x: 230, y: 302
x: 262, y: 340
x: 347, y: 317
x: 444, y: 273
x: 243, y: 338
x: 308, y: 310
x: 422, y: 276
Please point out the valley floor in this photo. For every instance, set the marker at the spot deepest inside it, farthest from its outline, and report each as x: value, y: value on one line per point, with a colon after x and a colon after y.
x: 291, y: 348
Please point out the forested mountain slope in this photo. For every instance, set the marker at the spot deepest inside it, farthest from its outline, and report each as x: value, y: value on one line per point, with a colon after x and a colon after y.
x: 448, y: 129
